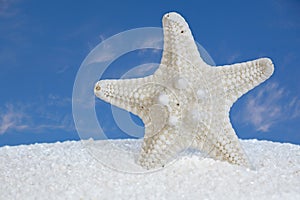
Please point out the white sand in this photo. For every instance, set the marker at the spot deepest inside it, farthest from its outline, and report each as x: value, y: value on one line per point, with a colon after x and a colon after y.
x: 69, y: 171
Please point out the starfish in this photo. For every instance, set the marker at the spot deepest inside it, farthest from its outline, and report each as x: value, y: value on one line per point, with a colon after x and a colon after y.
x: 186, y: 102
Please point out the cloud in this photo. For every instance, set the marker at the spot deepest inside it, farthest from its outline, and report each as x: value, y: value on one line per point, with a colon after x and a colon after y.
x: 270, y: 106
x: 62, y: 69
x: 51, y: 113
x: 102, y: 37
x: 56, y: 100
x: 110, y: 50
x: 65, y: 124
x: 11, y: 119
x: 154, y: 42
x: 108, y: 53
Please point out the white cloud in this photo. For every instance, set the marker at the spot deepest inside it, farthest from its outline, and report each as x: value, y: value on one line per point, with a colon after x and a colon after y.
x: 102, y: 37
x: 11, y: 119
x: 154, y: 42
x: 51, y: 113
x: 62, y: 69
x: 56, y: 100
x: 107, y: 54
x: 270, y: 106
x: 110, y: 50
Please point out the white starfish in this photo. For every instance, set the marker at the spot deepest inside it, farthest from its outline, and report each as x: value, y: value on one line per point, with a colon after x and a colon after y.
x: 186, y: 101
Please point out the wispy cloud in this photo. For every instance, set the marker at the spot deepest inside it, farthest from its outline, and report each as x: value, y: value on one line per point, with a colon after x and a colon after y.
x: 107, y: 51
x: 12, y: 119
x: 155, y: 42
x: 111, y: 49
x: 51, y: 113
x: 56, y: 100
x: 102, y: 37
x: 62, y: 69
x: 107, y: 54
x: 270, y: 106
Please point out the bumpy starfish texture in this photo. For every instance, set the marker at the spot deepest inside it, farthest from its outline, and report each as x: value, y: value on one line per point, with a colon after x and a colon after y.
x: 186, y: 102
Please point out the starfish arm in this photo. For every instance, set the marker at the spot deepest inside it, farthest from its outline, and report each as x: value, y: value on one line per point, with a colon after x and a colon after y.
x: 159, y: 148
x: 179, y: 44
x: 222, y: 143
x: 128, y: 94
x: 163, y: 134
x: 239, y: 78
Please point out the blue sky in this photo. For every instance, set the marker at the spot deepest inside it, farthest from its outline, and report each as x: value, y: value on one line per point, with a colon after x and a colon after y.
x: 43, y: 43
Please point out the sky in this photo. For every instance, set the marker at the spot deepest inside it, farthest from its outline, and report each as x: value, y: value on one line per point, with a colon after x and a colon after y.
x: 43, y: 44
